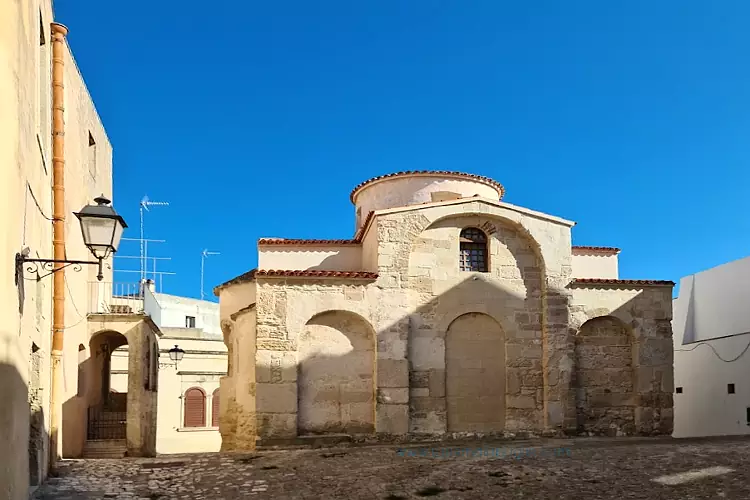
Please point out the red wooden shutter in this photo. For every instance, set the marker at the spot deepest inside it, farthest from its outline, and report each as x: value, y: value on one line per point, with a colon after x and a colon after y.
x: 195, y: 408
x: 215, y: 409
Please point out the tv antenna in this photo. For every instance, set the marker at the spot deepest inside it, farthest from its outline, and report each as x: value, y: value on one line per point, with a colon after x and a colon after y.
x: 145, y: 203
x: 205, y: 255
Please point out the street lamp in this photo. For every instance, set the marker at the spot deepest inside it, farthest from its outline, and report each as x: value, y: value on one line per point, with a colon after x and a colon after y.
x: 176, y: 354
x: 102, y: 229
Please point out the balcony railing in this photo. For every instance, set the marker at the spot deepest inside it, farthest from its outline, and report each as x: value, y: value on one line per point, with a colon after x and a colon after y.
x: 115, y: 298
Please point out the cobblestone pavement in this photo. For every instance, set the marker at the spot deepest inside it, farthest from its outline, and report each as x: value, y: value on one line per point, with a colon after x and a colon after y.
x: 554, y: 469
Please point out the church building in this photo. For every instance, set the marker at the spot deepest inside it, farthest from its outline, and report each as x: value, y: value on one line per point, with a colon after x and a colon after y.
x: 449, y: 312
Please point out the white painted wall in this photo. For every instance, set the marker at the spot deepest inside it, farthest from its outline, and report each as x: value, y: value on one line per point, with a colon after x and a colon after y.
x: 711, y: 326
x: 593, y: 265
x: 170, y: 311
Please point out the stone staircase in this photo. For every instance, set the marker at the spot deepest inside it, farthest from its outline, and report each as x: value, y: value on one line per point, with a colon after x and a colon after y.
x: 105, y: 448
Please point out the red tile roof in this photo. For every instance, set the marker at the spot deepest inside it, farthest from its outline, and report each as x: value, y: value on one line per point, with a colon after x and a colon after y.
x: 242, y: 278
x: 317, y: 274
x: 485, y: 180
x: 636, y: 283
x: 283, y: 241
x: 357, y: 240
x: 263, y: 273
x: 597, y: 249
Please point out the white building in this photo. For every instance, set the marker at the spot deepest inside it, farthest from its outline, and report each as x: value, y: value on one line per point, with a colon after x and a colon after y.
x: 187, y: 407
x: 711, y: 362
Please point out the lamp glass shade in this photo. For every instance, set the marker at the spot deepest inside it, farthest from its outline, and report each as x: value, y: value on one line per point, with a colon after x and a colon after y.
x: 98, y: 233
x: 176, y: 354
x: 101, y: 227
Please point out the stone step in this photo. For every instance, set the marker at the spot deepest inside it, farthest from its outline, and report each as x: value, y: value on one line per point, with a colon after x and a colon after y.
x: 322, y: 441
x: 105, y: 448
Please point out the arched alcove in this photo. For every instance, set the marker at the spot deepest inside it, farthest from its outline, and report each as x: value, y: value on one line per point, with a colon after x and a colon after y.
x: 604, y: 378
x: 336, y: 377
x: 475, y: 374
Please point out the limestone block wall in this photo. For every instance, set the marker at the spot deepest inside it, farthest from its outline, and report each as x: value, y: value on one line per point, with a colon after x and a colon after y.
x: 642, y: 315
x: 524, y: 292
x: 430, y: 349
x: 238, y: 420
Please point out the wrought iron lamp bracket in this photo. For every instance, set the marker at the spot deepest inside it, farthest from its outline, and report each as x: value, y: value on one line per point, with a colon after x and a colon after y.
x: 41, y: 268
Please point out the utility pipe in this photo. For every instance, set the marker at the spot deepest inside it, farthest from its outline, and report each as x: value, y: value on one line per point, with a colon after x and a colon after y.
x: 58, y: 237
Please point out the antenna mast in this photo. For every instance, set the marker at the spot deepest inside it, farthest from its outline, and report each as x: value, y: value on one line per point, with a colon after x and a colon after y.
x: 145, y: 203
x: 204, y: 255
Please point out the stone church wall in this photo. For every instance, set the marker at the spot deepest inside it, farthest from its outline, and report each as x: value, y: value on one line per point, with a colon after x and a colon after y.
x: 427, y: 349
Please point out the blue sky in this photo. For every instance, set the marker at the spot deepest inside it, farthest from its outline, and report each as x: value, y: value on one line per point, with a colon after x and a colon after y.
x: 256, y: 119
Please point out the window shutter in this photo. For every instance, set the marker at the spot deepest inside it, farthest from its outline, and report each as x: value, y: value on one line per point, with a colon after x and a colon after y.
x: 215, y: 409
x: 195, y: 408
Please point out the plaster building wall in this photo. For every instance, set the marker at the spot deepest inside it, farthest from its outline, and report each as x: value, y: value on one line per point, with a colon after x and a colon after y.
x: 711, y: 336
x: 425, y: 187
x: 327, y: 258
x: 203, y: 365
x: 438, y: 331
x: 594, y: 264
x: 25, y: 216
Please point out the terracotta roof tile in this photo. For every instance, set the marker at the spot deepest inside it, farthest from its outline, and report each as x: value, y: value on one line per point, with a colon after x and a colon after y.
x: 361, y: 232
x: 316, y: 274
x: 282, y: 241
x: 597, y: 249
x: 636, y: 283
x: 357, y: 240
x: 473, y: 177
x: 242, y: 278
x: 265, y: 273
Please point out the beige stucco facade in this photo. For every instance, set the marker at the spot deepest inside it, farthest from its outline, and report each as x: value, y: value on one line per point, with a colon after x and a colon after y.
x: 203, y: 365
x: 385, y: 335
x: 26, y: 220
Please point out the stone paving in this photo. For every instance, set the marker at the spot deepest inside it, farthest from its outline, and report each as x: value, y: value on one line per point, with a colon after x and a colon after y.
x: 555, y: 469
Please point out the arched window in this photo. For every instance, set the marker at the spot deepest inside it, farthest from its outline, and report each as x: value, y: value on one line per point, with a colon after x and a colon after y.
x: 195, y: 407
x: 215, y: 409
x: 473, y: 244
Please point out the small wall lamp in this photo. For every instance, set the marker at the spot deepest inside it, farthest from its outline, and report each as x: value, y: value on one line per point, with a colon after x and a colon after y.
x: 176, y: 354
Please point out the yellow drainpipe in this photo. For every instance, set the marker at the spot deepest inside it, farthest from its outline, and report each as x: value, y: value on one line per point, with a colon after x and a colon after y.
x: 58, y: 236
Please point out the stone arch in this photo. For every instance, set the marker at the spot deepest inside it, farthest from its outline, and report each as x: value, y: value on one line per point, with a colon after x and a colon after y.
x: 512, y: 293
x: 495, y: 220
x: 106, y: 410
x: 101, y: 347
x: 336, y: 374
x: 604, y: 378
x: 475, y: 386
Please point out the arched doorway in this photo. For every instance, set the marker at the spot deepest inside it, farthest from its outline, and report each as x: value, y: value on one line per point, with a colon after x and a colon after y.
x: 603, y: 379
x: 336, y: 377
x: 475, y: 374
x: 106, y: 392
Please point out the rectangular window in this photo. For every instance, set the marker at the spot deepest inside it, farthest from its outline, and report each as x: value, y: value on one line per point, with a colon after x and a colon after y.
x: 747, y: 416
x: 473, y: 257
x: 678, y: 390
x: 92, y: 156
x: 189, y: 321
x: 730, y: 388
